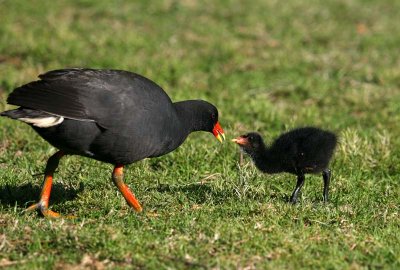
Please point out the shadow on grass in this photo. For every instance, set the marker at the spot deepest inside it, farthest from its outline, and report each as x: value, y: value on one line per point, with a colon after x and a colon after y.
x: 197, y: 193
x: 24, y: 195
x: 227, y: 201
x: 200, y: 193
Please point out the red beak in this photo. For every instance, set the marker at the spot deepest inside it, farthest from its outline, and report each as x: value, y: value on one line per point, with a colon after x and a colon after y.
x: 218, y: 132
x: 241, y: 140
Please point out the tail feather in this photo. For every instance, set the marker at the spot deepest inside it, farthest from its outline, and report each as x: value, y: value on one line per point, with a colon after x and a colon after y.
x: 34, y: 117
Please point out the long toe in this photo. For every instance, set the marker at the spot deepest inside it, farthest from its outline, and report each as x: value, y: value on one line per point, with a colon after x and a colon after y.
x: 46, y: 212
x: 49, y: 213
x: 33, y: 207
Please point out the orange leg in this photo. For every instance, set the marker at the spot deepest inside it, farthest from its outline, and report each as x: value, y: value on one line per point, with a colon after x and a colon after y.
x: 118, y: 179
x: 43, y: 204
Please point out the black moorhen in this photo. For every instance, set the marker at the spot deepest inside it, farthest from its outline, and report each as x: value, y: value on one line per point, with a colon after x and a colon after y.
x: 112, y: 116
x: 299, y: 151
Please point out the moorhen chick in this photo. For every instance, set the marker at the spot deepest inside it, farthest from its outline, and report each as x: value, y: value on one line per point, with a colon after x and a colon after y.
x: 112, y: 116
x: 299, y: 151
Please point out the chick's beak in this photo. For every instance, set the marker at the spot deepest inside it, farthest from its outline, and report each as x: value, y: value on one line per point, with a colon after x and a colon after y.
x: 240, y: 140
x: 218, y: 132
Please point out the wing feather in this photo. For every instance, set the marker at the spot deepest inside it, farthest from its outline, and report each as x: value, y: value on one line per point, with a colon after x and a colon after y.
x: 90, y: 94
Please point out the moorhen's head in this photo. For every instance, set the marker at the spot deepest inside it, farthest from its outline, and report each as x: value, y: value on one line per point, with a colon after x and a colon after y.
x: 205, y: 118
x: 250, y: 143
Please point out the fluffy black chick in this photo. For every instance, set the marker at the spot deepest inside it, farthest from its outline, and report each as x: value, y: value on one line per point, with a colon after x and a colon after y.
x: 299, y: 151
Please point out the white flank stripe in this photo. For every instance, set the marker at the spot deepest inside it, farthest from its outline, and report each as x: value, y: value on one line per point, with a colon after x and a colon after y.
x: 43, y: 122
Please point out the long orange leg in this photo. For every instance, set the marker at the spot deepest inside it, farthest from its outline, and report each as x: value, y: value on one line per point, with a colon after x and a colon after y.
x: 43, y: 204
x: 118, y: 179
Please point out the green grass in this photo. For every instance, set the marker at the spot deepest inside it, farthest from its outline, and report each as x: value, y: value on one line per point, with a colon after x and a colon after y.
x: 268, y: 66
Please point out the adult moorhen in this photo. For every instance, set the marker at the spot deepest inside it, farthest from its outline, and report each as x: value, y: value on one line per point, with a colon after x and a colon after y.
x: 299, y: 151
x: 112, y: 116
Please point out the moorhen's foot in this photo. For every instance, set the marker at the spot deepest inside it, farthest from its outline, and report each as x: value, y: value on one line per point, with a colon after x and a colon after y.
x: 118, y: 179
x: 293, y: 200
x: 46, y: 212
x: 299, y: 185
x: 43, y: 204
x: 326, y: 175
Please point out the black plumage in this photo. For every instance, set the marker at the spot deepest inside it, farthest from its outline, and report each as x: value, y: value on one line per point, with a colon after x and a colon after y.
x: 113, y: 116
x: 299, y: 151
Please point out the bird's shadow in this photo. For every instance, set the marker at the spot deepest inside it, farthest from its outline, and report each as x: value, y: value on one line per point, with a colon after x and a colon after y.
x: 198, y: 193
x: 24, y: 195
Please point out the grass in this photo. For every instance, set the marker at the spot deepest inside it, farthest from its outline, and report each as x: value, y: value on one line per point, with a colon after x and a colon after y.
x: 268, y: 66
